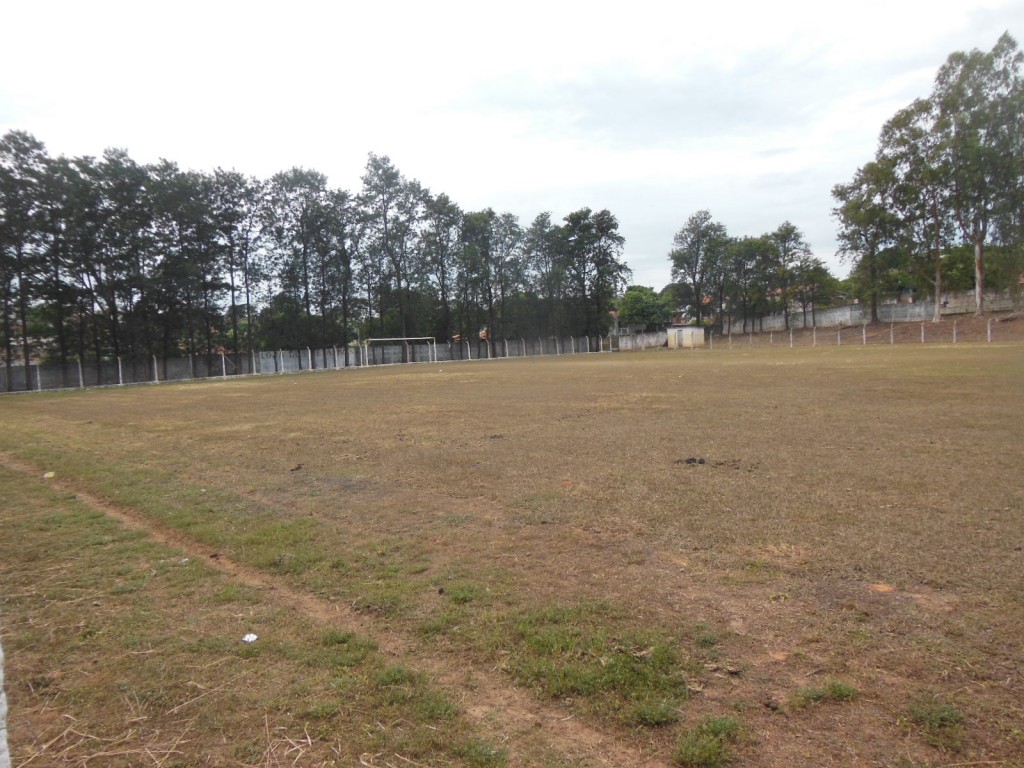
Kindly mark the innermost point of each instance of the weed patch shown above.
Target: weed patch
(832, 691)
(707, 745)
(569, 652)
(141, 647)
(941, 722)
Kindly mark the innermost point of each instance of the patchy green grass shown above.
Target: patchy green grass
(707, 745)
(572, 653)
(831, 691)
(141, 648)
(940, 721)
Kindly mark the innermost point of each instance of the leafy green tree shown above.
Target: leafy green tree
(439, 241)
(82, 216)
(118, 278)
(642, 305)
(792, 249)
(590, 249)
(337, 245)
(23, 162)
(977, 97)
(868, 227)
(576, 241)
(508, 270)
(545, 272)
(609, 272)
(379, 202)
(57, 295)
(407, 267)
(749, 267)
(813, 285)
(292, 217)
(237, 210)
(474, 278)
(189, 279)
(920, 194)
(697, 258)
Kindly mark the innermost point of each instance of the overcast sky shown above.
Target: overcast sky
(751, 110)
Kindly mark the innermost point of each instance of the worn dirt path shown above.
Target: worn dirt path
(513, 715)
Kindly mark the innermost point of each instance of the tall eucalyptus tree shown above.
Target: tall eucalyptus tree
(977, 96)
(23, 165)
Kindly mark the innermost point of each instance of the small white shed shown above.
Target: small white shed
(687, 337)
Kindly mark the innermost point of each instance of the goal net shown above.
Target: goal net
(399, 349)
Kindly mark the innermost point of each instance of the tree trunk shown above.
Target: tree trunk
(874, 288)
(26, 347)
(8, 336)
(979, 278)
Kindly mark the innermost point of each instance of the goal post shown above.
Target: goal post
(412, 341)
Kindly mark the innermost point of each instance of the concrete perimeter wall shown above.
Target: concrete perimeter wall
(962, 303)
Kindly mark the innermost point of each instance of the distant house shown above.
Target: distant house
(629, 329)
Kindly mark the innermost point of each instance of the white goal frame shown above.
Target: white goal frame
(431, 346)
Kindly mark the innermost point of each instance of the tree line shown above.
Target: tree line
(746, 278)
(105, 257)
(721, 279)
(940, 208)
(941, 205)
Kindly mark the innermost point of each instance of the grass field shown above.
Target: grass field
(764, 557)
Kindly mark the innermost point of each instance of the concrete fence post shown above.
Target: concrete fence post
(814, 337)
(156, 371)
(922, 333)
(791, 337)
(954, 331)
(892, 339)
(223, 366)
(839, 337)
(81, 376)
(990, 329)
(864, 335)
(120, 372)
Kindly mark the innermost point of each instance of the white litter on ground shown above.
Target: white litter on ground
(249, 638)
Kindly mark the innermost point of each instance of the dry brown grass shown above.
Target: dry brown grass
(857, 517)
